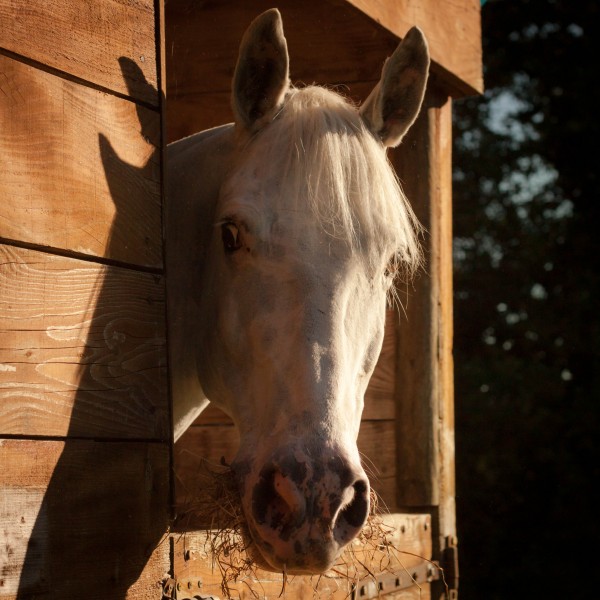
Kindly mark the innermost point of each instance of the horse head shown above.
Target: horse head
(307, 227)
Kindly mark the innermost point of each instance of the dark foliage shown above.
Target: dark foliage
(527, 295)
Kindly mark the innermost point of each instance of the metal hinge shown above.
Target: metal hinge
(388, 583)
(185, 589)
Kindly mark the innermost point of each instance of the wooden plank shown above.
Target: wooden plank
(88, 40)
(83, 519)
(410, 536)
(425, 401)
(82, 349)
(453, 31)
(80, 168)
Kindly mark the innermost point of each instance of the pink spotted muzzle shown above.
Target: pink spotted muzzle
(302, 508)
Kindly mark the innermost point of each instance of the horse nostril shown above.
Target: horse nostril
(277, 501)
(353, 516)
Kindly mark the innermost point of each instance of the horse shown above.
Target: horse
(284, 232)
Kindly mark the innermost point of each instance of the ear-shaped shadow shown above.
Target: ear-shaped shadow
(105, 509)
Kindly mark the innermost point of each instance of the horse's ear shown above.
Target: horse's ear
(394, 103)
(261, 77)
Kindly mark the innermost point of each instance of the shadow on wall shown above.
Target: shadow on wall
(104, 512)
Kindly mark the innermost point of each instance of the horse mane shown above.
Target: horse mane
(339, 168)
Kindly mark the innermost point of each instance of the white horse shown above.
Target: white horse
(284, 231)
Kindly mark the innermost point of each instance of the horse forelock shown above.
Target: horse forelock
(319, 152)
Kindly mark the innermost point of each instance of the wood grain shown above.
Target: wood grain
(410, 535)
(82, 349)
(80, 168)
(82, 515)
(86, 39)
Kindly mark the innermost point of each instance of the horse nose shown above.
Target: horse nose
(305, 521)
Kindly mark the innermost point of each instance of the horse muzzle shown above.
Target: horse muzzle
(302, 507)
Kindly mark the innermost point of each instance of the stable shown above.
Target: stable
(91, 484)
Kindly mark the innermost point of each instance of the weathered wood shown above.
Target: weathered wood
(83, 348)
(80, 168)
(410, 536)
(83, 519)
(87, 39)
(425, 423)
(453, 31)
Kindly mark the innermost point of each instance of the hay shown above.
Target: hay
(217, 507)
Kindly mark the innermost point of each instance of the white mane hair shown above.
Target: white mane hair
(339, 167)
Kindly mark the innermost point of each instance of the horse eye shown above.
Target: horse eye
(230, 234)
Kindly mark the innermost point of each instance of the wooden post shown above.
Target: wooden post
(424, 388)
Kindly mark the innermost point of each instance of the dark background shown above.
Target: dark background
(527, 279)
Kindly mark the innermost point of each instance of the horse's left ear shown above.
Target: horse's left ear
(261, 77)
(394, 103)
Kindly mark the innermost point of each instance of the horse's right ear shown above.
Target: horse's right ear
(394, 103)
(261, 77)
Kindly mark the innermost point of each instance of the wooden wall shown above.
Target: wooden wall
(84, 415)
